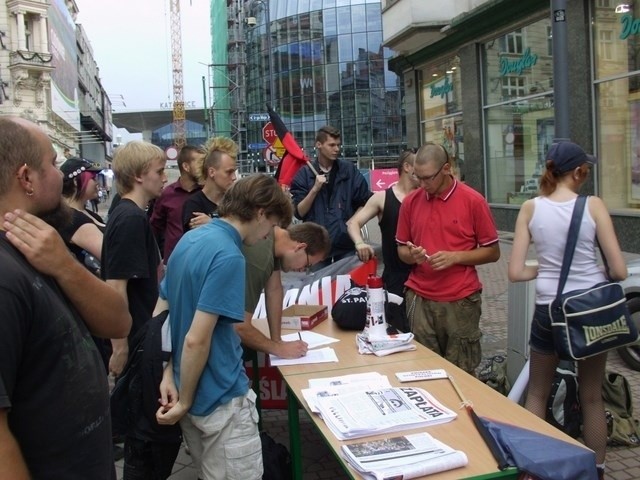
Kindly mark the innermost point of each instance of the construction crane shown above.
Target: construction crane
(179, 133)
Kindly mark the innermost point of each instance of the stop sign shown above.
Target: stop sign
(269, 133)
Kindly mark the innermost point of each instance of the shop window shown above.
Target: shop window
(518, 113)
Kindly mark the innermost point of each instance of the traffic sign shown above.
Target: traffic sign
(269, 133)
(271, 156)
(383, 178)
(257, 146)
(258, 117)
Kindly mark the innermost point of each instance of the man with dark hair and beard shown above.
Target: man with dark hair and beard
(54, 397)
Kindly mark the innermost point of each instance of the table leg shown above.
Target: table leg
(294, 435)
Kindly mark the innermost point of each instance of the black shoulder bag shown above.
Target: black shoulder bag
(590, 321)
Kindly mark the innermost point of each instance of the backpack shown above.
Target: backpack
(493, 372)
(134, 399)
(622, 428)
(276, 459)
(563, 406)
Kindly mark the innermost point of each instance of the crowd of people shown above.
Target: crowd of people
(76, 291)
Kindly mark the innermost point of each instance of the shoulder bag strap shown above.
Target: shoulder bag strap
(572, 240)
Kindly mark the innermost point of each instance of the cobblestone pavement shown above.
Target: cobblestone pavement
(318, 461)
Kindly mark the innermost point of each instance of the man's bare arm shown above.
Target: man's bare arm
(195, 352)
(371, 209)
(256, 340)
(12, 465)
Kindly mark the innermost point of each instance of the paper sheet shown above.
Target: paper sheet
(321, 355)
(313, 339)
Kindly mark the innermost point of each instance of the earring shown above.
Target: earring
(29, 194)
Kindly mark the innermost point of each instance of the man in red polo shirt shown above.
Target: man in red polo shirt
(445, 229)
(166, 219)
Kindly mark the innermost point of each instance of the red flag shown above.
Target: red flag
(294, 158)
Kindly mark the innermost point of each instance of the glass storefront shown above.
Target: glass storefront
(441, 109)
(329, 67)
(518, 111)
(616, 49)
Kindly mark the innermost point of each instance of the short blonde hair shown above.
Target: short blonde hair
(132, 160)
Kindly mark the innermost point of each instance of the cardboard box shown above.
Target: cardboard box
(303, 317)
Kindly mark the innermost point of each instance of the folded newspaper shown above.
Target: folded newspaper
(382, 345)
(408, 456)
(373, 411)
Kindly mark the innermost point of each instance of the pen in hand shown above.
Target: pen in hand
(411, 245)
(300, 336)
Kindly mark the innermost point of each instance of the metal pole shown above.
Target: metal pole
(560, 68)
(206, 112)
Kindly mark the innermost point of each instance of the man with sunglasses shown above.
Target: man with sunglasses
(445, 229)
(295, 249)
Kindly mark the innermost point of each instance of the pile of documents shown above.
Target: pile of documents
(381, 345)
(408, 456)
(363, 405)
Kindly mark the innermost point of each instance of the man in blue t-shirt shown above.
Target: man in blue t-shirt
(204, 286)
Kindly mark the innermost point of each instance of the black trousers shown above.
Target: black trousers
(145, 460)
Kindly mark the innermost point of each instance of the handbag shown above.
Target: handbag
(589, 321)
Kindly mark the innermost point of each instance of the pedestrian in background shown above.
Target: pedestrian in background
(445, 229)
(332, 197)
(386, 207)
(219, 173)
(166, 219)
(131, 263)
(545, 221)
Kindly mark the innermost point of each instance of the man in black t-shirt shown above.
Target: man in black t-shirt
(130, 263)
(54, 404)
(219, 172)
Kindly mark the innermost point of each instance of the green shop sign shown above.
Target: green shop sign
(441, 89)
(526, 61)
(630, 26)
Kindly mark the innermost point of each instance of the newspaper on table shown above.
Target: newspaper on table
(355, 382)
(408, 456)
(373, 411)
(381, 345)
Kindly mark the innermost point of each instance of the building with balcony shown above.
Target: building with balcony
(48, 75)
(479, 79)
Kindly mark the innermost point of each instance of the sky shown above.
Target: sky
(131, 42)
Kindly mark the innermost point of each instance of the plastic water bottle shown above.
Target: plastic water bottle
(376, 321)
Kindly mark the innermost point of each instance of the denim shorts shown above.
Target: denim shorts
(541, 339)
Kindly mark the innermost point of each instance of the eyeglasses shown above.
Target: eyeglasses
(430, 177)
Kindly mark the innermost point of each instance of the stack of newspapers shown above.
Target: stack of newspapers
(362, 406)
(405, 457)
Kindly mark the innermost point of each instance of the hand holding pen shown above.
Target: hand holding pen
(419, 254)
